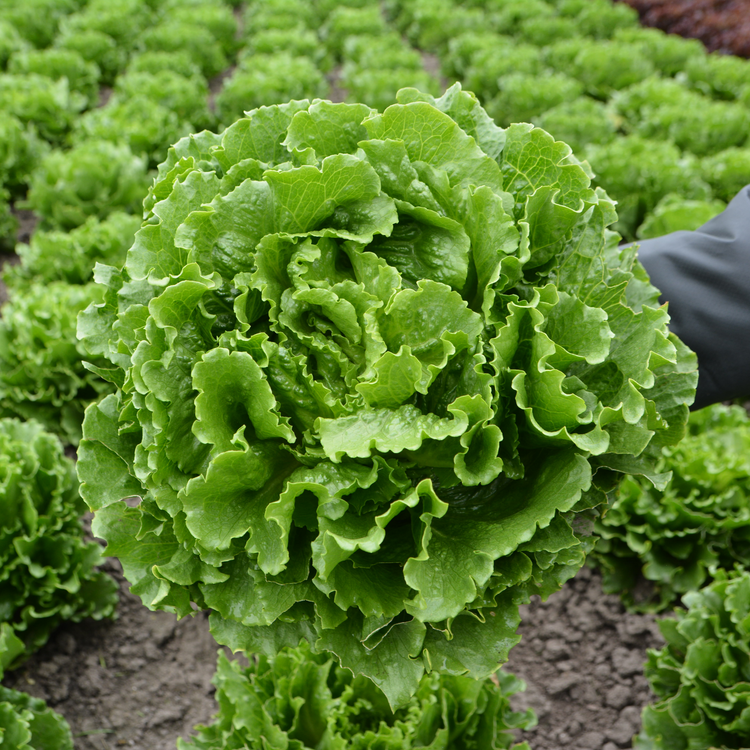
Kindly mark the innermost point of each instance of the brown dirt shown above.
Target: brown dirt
(582, 658)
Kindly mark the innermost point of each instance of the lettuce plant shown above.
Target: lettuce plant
(605, 67)
(378, 87)
(27, 723)
(727, 172)
(266, 79)
(123, 20)
(489, 67)
(634, 102)
(92, 179)
(8, 222)
(669, 53)
(601, 19)
(36, 99)
(384, 52)
(175, 35)
(97, 47)
(678, 536)
(640, 172)
(47, 572)
(56, 63)
(70, 256)
(702, 676)
(303, 701)
(186, 97)
(433, 23)
(545, 30)
(462, 48)
(155, 62)
(369, 367)
(279, 15)
(579, 123)
(138, 123)
(20, 151)
(673, 213)
(698, 124)
(344, 23)
(718, 75)
(42, 376)
(299, 42)
(37, 21)
(216, 18)
(524, 96)
(11, 42)
(507, 17)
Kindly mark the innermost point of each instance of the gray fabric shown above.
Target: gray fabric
(705, 277)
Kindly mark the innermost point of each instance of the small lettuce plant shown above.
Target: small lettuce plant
(702, 676)
(27, 723)
(369, 368)
(303, 701)
(679, 535)
(47, 571)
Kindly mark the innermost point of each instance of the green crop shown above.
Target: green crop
(701, 676)
(679, 535)
(42, 376)
(27, 723)
(368, 367)
(47, 571)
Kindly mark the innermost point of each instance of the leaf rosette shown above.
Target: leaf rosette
(368, 365)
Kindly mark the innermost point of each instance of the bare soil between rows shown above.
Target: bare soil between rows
(144, 680)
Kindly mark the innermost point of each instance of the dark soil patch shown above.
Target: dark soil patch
(582, 658)
(722, 25)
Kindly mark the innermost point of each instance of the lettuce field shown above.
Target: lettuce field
(325, 346)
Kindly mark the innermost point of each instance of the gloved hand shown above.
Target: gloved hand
(705, 277)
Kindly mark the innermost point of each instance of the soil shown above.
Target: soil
(144, 680)
(582, 657)
(722, 25)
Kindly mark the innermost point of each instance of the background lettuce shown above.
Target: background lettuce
(47, 571)
(369, 368)
(701, 677)
(679, 535)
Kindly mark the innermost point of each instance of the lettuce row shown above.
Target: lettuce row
(702, 676)
(300, 701)
(47, 571)
(678, 536)
(368, 368)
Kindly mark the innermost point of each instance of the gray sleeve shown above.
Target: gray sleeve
(705, 277)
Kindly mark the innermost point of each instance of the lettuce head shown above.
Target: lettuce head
(369, 368)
